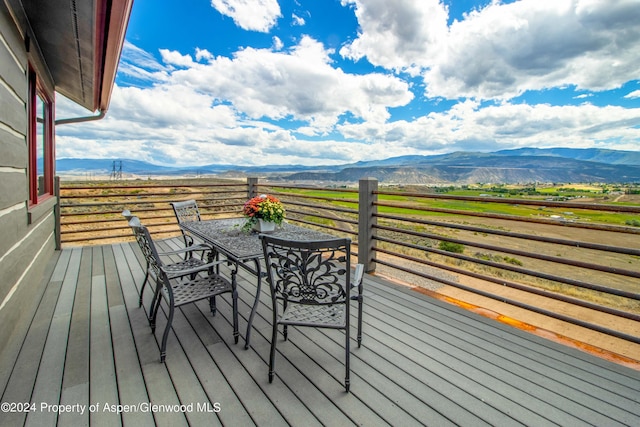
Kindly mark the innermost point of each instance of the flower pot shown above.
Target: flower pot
(263, 226)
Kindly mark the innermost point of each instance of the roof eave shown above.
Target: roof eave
(113, 27)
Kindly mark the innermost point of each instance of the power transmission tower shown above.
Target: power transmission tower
(116, 173)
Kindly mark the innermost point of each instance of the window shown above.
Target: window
(41, 155)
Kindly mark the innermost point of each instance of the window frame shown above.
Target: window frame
(40, 97)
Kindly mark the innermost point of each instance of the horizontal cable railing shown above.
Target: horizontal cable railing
(92, 213)
(308, 206)
(581, 263)
(517, 251)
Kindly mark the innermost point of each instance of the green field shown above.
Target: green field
(515, 208)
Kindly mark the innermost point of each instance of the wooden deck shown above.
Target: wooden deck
(422, 362)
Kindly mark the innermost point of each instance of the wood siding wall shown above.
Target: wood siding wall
(25, 248)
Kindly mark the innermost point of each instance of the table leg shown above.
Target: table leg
(255, 304)
(234, 287)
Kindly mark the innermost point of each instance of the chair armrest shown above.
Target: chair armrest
(192, 270)
(193, 248)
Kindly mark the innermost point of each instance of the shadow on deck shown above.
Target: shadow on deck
(423, 361)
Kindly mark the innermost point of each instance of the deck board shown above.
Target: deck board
(102, 370)
(159, 386)
(75, 379)
(23, 375)
(131, 385)
(48, 385)
(423, 361)
(102, 374)
(551, 387)
(476, 371)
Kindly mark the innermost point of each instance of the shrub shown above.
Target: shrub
(514, 261)
(456, 248)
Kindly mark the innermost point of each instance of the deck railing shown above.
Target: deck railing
(92, 213)
(508, 250)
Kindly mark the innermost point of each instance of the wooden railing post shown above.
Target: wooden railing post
(366, 221)
(252, 184)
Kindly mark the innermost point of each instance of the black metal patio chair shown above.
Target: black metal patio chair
(179, 268)
(187, 211)
(310, 283)
(200, 282)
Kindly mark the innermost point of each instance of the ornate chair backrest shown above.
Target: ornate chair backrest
(186, 211)
(308, 272)
(147, 246)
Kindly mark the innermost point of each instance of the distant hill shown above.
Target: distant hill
(137, 167)
(485, 169)
(105, 166)
(524, 165)
(614, 157)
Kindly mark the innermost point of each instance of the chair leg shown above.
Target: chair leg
(155, 306)
(359, 337)
(146, 279)
(234, 298)
(285, 329)
(347, 380)
(212, 305)
(165, 336)
(272, 354)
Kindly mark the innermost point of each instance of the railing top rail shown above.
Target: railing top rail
(165, 185)
(309, 188)
(190, 193)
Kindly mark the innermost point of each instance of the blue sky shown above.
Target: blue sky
(320, 82)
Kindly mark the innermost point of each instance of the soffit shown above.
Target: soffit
(81, 41)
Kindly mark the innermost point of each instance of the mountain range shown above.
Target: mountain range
(524, 165)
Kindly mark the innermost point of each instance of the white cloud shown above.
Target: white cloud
(169, 105)
(469, 126)
(277, 43)
(141, 58)
(174, 58)
(399, 34)
(176, 125)
(200, 110)
(503, 50)
(140, 65)
(297, 20)
(633, 95)
(203, 54)
(252, 15)
(299, 83)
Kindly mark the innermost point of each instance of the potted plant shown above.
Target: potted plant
(263, 213)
